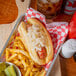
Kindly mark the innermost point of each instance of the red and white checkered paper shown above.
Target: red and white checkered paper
(57, 30)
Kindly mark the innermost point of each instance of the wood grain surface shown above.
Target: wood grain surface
(8, 11)
(5, 29)
(33, 4)
(68, 66)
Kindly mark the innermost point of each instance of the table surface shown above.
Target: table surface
(68, 66)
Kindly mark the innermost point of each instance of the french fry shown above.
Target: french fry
(28, 72)
(31, 73)
(24, 64)
(37, 73)
(17, 38)
(35, 69)
(23, 72)
(12, 57)
(19, 51)
(18, 43)
(23, 61)
(42, 73)
(17, 62)
(37, 66)
(21, 58)
(7, 55)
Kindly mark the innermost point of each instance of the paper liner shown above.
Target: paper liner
(58, 32)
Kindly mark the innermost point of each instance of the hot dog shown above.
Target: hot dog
(36, 40)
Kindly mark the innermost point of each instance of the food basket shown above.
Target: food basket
(22, 18)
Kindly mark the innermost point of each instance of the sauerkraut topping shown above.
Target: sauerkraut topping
(37, 37)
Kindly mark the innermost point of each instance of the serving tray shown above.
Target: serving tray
(2, 54)
(13, 26)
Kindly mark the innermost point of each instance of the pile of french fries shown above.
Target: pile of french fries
(21, 58)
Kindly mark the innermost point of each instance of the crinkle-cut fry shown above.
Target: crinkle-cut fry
(28, 72)
(12, 57)
(19, 51)
(7, 55)
(31, 73)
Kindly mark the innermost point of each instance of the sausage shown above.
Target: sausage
(42, 54)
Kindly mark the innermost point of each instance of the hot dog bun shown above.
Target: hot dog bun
(46, 39)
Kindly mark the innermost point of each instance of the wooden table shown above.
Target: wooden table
(67, 65)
